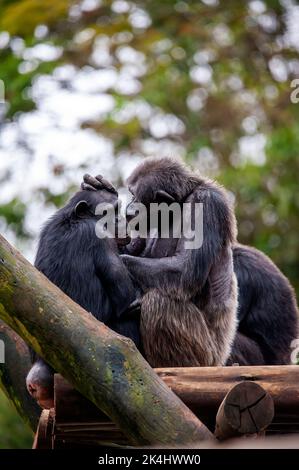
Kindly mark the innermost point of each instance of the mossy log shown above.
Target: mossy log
(105, 367)
(13, 373)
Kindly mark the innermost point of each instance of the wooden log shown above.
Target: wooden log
(203, 390)
(209, 385)
(104, 366)
(45, 430)
(79, 423)
(246, 409)
(13, 373)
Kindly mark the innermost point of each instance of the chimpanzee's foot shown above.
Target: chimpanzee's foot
(40, 384)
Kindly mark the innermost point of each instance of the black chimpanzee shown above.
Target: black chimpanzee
(88, 269)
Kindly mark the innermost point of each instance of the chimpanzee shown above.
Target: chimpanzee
(267, 310)
(88, 269)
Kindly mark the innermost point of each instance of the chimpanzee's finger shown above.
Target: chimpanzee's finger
(106, 184)
(88, 179)
(87, 187)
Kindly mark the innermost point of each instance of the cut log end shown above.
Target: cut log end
(246, 409)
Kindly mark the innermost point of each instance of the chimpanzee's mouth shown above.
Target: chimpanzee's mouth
(123, 241)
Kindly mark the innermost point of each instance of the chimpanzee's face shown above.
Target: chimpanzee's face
(146, 191)
(97, 204)
(141, 191)
(87, 202)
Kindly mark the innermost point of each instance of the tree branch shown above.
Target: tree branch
(102, 365)
(13, 375)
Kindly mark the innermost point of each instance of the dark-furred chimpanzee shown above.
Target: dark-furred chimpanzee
(267, 313)
(189, 302)
(88, 269)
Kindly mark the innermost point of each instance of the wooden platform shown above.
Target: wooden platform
(76, 422)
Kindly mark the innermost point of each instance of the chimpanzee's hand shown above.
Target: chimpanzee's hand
(91, 183)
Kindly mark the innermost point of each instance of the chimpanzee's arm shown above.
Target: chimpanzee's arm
(155, 272)
(190, 267)
(115, 278)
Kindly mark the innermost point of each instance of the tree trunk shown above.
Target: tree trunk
(102, 365)
(13, 373)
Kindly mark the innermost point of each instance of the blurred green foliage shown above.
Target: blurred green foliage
(21, 17)
(14, 213)
(14, 434)
(223, 69)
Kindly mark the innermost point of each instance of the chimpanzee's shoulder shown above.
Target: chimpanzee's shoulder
(209, 191)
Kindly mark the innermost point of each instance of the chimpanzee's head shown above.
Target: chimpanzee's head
(93, 205)
(161, 180)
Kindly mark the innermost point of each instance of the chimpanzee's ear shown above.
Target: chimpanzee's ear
(82, 209)
(163, 196)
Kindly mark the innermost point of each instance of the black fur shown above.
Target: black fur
(267, 311)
